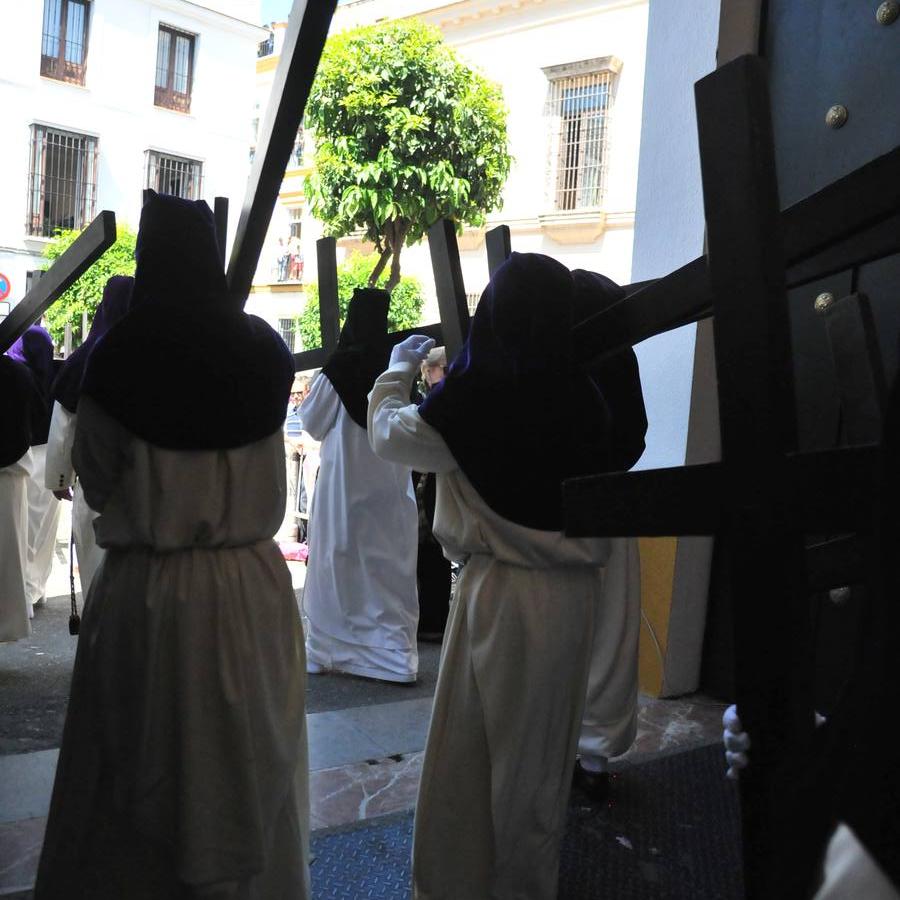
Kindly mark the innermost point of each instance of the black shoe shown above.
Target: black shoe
(594, 784)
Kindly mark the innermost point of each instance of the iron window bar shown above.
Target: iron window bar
(62, 181)
(174, 175)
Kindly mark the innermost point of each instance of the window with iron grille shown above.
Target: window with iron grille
(64, 39)
(578, 104)
(174, 175)
(286, 330)
(472, 302)
(62, 181)
(174, 69)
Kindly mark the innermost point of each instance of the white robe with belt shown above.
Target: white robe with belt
(43, 522)
(183, 768)
(360, 595)
(15, 609)
(530, 607)
(59, 474)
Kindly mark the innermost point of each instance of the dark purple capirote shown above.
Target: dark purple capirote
(187, 369)
(113, 306)
(515, 409)
(21, 405)
(34, 349)
(362, 352)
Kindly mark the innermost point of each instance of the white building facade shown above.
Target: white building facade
(102, 98)
(572, 74)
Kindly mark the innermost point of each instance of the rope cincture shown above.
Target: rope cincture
(74, 618)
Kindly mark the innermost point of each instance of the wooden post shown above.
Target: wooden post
(220, 211)
(303, 42)
(90, 245)
(329, 303)
(499, 247)
(448, 281)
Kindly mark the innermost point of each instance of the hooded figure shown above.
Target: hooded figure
(360, 594)
(183, 768)
(59, 475)
(20, 404)
(514, 417)
(34, 349)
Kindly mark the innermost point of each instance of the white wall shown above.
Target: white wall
(669, 224)
(116, 105)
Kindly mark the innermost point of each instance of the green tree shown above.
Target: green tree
(86, 293)
(406, 299)
(405, 134)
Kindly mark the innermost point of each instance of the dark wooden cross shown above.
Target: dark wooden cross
(763, 495)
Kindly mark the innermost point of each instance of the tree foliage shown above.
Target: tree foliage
(405, 310)
(405, 134)
(86, 293)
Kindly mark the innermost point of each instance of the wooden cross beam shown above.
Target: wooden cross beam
(220, 212)
(303, 43)
(88, 247)
(448, 282)
(762, 495)
(329, 307)
(499, 247)
(853, 221)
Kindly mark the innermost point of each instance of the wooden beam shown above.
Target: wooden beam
(826, 491)
(316, 358)
(756, 411)
(220, 212)
(89, 246)
(303, 42)
(448, 282)
(653, 502)
(499, 247)
(828, 232)
(329, 302)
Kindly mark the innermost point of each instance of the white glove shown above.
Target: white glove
(737, 743)
(413, 349)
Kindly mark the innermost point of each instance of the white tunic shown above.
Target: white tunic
(43, 522)
(514, 671)
(60, 474)
(184, 753)
(14, 607)
(360, 595)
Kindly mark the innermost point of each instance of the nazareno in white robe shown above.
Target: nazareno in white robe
(15, 609)
(360, 596)
(183, 769)
(43, 522)
(530, 612)
(59, 474)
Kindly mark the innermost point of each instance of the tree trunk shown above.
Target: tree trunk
(379, 266)
(400, 230)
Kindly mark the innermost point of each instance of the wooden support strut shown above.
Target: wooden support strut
(303, 42)
(88, 247)
(499, 247)
(329, 306)
(220, 212)
(448, 282)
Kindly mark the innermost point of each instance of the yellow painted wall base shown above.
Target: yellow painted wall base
(657, 581)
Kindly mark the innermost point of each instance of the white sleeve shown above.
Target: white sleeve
(319, 410)
(101, 453)
(59, 473)
(397, 432)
